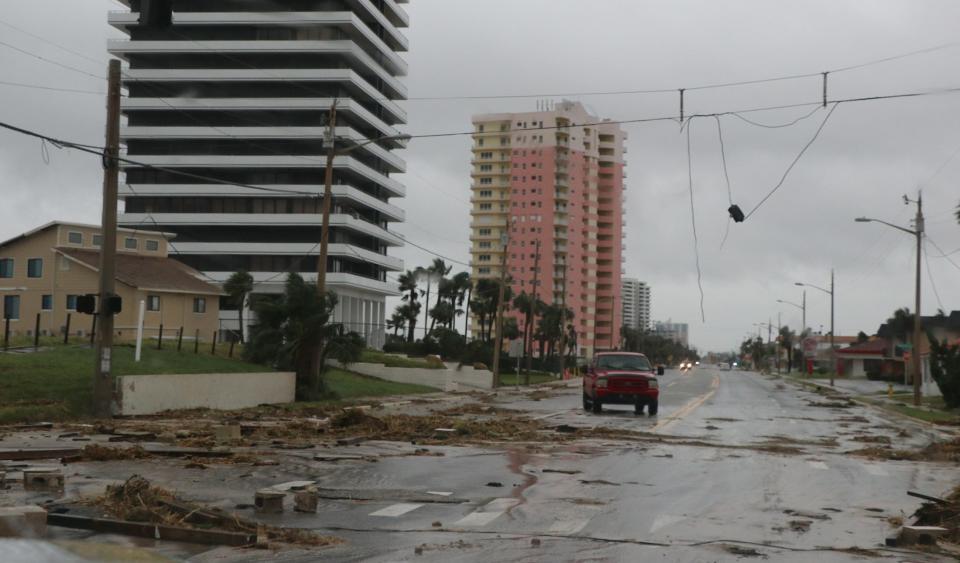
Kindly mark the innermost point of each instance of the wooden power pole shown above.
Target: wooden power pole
(327, 199)
(103, 372)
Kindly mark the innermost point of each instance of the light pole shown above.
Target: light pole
(833, 349)
(802, 307)
(918, 233)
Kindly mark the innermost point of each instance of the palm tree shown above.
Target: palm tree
(438, 270)
(398, 320)
(408, 286)
(786, 341)
(238, 286)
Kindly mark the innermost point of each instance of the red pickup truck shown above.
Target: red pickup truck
(621, 378)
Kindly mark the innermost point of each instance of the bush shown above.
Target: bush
(945, 368)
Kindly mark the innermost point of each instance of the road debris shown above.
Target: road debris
(946, 451)
(742, 551)
(943, 513)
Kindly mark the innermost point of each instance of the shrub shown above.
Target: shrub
(945, 368)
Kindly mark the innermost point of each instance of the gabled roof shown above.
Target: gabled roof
(52, 224)
(147, 272)
(877, 346)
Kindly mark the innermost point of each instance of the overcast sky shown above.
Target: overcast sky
(868, 155)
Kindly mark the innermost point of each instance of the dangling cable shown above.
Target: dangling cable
(693, 219)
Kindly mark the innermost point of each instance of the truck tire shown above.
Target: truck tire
(586, 402)
(652, 407)
(597, 406)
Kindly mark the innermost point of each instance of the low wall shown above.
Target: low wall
(151, 394)
(449, 379)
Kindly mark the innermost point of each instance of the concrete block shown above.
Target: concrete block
(268, 501)
(152, 394)
(42, 480)
(921, 534)
(226, 433)
(305, 501)
(23, 522)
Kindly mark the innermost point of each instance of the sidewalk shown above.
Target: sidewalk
(876, 394)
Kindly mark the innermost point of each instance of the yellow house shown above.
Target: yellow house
(44, 271)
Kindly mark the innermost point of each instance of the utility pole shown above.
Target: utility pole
(498, 333)
(103, 373)
(531, 314)
(613, 323)
(804, 312)
(917, 364)
(779, 340)
(563, 321)
(833, 332)
(330, 139)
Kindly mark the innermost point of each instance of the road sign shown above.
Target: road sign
(809, 347)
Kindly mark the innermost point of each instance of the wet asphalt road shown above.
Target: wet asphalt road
(608, 501)
(719, 486)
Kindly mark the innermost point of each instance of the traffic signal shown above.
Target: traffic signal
(736, 213)
(114, 304)
(87, 304)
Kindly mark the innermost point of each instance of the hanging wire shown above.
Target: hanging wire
(726, 175)
(693, 220)
(795, 160)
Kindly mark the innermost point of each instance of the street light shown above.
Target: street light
(833, 350)
(918, 233)
(802, 307)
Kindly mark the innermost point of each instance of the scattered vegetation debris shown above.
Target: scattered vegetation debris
(565, 428)
(539, 395)
(535, 542)
(355, 417)
(800, 526)
(807, 515)
(598, 482)
(945, 515)
(563, 471)
(895, 521)
(711, 427)
(872, 439)
(96, 452)
(722, 419)
(459, 544)
(137, 500)
(437, 524)
(742, 551)
(860, 419)
(947, 451)
(470, 408)
(832, 404)
(494, 484)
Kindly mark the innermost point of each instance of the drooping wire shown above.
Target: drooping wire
(795, 160)
(726, 175)
(933, 283)
(779, 125)
(50, 61)
(693, 220)
(944, 254)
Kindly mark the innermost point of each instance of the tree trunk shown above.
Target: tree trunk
(426, 308)
(243, 298)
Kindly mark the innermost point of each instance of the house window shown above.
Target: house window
(153, 302)
(486, 193)
(199, 304)
(486, 244)
(484, 258)
(71, 302)
(6, 267)
(486, 206)
(74, 237)
(35, 268)
(153, 245)
(46, 302)
(485, 232)
(11, 307)
(97, 240)
(486, 181)
(130, 243)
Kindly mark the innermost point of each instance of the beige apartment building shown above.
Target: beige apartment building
(44, 271)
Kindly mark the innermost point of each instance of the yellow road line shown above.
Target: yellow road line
(688, 408)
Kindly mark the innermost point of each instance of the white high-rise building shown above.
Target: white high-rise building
(240, 90)
(636, 304)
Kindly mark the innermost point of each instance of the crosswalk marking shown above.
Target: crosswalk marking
(665, 520)
(569, 527)
(818, 465)
(487, 513)
(396, 510)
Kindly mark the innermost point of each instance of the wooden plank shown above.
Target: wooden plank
(152, 531)
(36, 453)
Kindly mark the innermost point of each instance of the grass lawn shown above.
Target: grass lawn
(55, 384)
(938, 413)
(391, 361)
(348, 386)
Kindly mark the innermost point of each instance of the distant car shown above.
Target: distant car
(685, 366)
(621, 378)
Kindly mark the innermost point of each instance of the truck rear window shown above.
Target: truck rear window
(625, 362)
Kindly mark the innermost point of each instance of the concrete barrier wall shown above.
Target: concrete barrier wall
(151, 394)
(445, 379)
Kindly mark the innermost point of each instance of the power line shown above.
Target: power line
(944, 254)
(726, 175)
(780, 125)
(693, 219)
(933, 283)
(50, 61)
(795, 161)
(57, 45)
(51, 88)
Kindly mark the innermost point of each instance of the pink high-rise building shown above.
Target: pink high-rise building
(556, 177)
